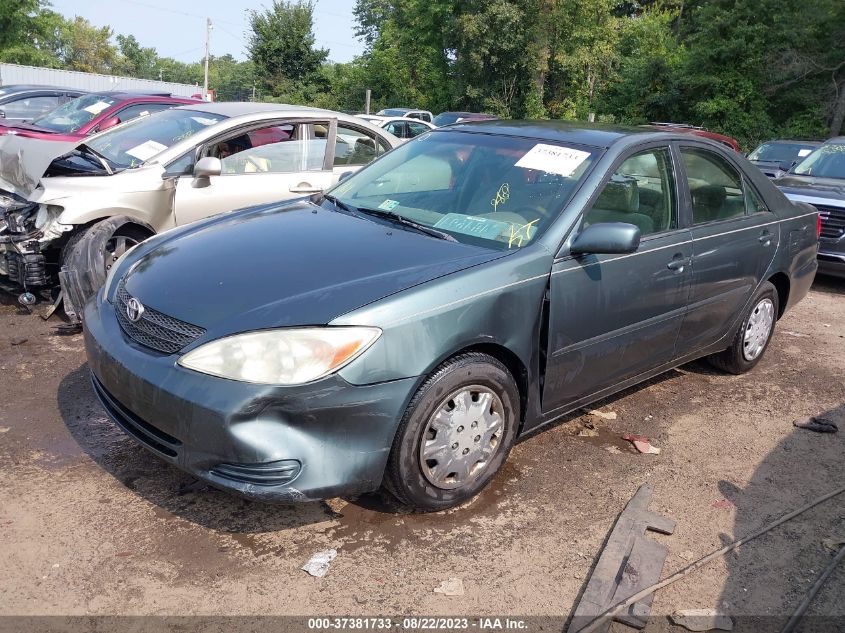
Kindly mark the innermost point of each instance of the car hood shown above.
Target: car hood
(24, 160)
(806, 188)
(285, 265)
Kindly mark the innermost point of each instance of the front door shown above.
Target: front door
(734, 241)
(613, 317)
(270, 163)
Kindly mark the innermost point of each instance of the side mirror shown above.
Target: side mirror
(344, 175)
(110, 122)
(208, 166)
(607, 238)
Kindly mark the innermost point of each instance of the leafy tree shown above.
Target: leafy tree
(281, 45)
(135, 60)
(86, 47)
(30, 33)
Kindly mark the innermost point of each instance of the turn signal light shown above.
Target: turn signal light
(818, 225)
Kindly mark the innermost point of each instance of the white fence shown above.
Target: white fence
(15, 74)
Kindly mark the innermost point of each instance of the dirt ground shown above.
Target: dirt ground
(92, 524)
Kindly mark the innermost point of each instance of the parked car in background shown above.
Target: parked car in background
(409, 325)
(819, 179)
(408, 113)
(24, 102)
(448, 118)
(776, 158)
(70, 223)
(684, 128)
(400, 127)
(91, 113)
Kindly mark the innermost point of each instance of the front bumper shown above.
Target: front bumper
(831, 263)
(315, 441)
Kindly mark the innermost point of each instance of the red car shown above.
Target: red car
(92, 113)
(684, 128)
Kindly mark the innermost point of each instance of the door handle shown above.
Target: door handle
(678, 263)
(766, 238)
(304, 189)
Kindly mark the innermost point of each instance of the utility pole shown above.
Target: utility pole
(367, 102)
(207, 42)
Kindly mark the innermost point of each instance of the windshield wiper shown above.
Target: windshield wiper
(338, 204)
(402, 220)
(106, 163)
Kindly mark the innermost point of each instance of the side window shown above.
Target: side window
(353, 147)
(271, 149)
(397, 128)
(29, 107)
(715, 186)
(753, 202)
(182, 166)
(141, 109)
(640, 192)
(416, 129)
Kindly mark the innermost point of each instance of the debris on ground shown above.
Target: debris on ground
(613, 449)
(605, 415)
(451, 587)
(588, 432)
(724, 504)
(5, 429)
(18, 341)
(833, 544)
(702, 620)
(319, 563)
(818, 424)
(642, 444)
(795, 334)
(628, 563)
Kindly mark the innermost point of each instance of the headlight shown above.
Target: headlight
(281, 357)
(111, 274)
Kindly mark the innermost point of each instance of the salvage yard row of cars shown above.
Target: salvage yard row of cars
(292, 303)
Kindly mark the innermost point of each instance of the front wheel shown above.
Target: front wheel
(456, 432)
(754, 333)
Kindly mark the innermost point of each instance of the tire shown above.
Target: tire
(451, 399)
(746, 351)
(87, 255)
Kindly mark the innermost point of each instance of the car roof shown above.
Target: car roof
(137, 94)
(10, 88)
(238, 108)
(596, 135)
(792, 141)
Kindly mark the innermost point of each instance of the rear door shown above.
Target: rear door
(613, 317)
(734, 237)
(261, 163)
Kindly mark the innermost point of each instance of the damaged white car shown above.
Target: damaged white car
(68, 211)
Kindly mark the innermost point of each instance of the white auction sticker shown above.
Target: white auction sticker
(96, 108)
(804, 152)
(146, 150)
(553, 159)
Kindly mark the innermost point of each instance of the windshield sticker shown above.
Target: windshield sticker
(388, 205)
(518, 234)
(204, 120)
(804, 152)
(146, 150)
(96, 108)
(472, 225)
(502, 196)
(553, 159)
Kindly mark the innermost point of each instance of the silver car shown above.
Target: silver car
(68, 224)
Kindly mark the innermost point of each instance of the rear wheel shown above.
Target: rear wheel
(753, 336)
(456, 433)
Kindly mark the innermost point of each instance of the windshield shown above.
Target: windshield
(495, 191)
(137, 141)
(828, 161)
(781, 152)
(74, 114)
(392, 112)
(447, 118)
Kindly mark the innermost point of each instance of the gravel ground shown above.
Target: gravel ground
(92, 524)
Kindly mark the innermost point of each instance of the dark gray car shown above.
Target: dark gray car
(775, 158)
(820, 180)
(469, 287)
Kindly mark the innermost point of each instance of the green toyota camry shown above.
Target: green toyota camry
(405, 328)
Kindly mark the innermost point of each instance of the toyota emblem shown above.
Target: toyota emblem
(134, 309)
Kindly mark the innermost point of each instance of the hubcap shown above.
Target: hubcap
(461, 437)
(115, 247)
(757, 329)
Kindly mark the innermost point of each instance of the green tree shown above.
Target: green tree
(281, 46)
(135, 60)
(87, 48)
(30, 33)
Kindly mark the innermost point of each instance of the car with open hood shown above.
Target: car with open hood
(819, 179)
(66, 218)
(89, 114)
(467, 288)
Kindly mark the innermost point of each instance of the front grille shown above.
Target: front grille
(155, 330)
(267, 474)
(833, 221)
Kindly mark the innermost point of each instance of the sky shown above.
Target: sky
(176, 28)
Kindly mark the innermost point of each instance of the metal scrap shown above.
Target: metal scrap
(318, 564)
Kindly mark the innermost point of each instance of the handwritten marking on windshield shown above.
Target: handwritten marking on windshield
(521, 233)
(502, 196)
